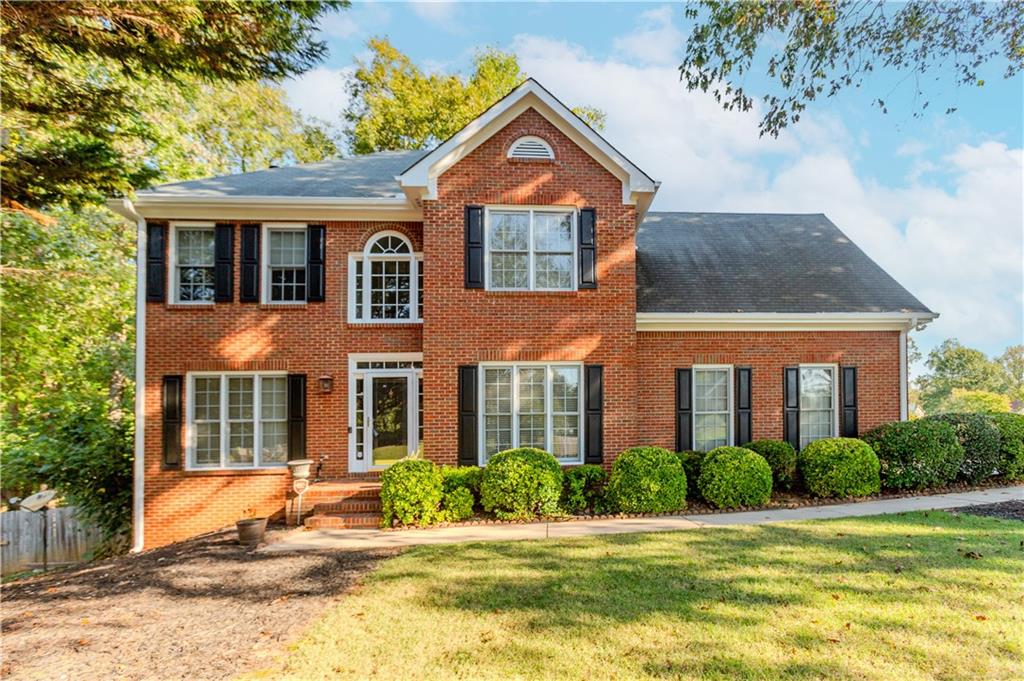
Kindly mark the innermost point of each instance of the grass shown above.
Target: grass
(911, 596)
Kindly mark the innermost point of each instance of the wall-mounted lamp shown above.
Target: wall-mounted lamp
(326, 383)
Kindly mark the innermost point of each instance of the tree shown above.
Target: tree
(975, 401)
(812, 49)
(1012, 363)
(394, 105)
(952, 365)
(76, 73)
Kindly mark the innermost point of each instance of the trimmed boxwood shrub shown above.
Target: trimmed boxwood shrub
(979, 437)
(583, 487)
(781, 458)
(410, 493)
(840, 467)
(521, 483)
(691, 461)
(457, 505)
(916, 454)
(735, 476)
(1011, 444)
(646, 480)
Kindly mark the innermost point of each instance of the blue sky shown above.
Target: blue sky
(937, 200)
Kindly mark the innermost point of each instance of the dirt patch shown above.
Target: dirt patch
(1008, 510)
(202, 609)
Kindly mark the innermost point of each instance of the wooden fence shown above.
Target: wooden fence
(21, 539)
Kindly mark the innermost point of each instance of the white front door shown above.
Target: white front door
(384, 415)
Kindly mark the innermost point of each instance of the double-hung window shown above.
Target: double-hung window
(818, 418)
(531, 405)
(285, 264)
(386, 281)
(531, 249)
(237, 420)
(193, 273)
(712, 407)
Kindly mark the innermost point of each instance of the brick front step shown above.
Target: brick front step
(338, 497)
(350, 505)
(343, 521)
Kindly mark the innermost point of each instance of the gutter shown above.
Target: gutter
(125, 208)
(781, 321)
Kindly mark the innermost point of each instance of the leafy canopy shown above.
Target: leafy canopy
(395, 105)
(975, 402)
(952, 365)
(816, 48)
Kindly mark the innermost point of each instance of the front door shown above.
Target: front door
(388, 419)
(385, 412)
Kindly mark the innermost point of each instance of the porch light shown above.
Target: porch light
(326, 383)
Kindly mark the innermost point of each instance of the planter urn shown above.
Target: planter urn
(250, 530)
(300, 468)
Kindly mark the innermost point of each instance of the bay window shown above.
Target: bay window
(531, 249)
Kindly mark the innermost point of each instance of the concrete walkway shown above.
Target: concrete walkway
(314, 540)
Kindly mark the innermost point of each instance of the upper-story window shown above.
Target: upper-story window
(530, 147)
(285, 264)
(386, 281)
(192, 249)
(531, 249)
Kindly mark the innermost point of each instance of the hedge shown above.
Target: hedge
(521, 483)
(735, 476)
(691, 461)
(781, 457)
(916, 454)
(410, 493)
(840, 467)
(979, 437)
(1011, 444)
(583, 486)
(646, 480)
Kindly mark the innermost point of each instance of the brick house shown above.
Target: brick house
(509, 287)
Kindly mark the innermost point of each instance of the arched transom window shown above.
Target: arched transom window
(385, 281)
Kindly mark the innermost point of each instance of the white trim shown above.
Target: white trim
(781, 321)
(835, 393)
(265, 261)
(531, 138)
(172, 258)
(420, 179)
(365, 257)
(257, 208)
(530, 210)
(904, 407)
(731, 415)
(412, 397)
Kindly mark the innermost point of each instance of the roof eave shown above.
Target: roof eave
(276, 207)
(783, 321)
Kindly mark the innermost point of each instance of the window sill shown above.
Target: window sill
(384, 324)
(234, 472)
(190, 306)
(531, 294)
(283, 306)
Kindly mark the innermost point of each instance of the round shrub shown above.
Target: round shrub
(735, 476)
(781, 458)
(410, 493)
(691, 461)
(463, 476)
(1011, 444)
(457, 505)
(646, 480)
(916, 454)
(840, 467)
(521, 483)
(979, 437)
(583, 487)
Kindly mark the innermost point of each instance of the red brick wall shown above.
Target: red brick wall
(875, 353)
(313, 339)
(465, 326)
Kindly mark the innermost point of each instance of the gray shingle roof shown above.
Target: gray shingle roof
(366, 176)
(732, 262)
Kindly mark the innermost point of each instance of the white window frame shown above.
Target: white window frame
(172, 271)
(190, 429)
(730, 415)
(531, 138)
(366, 258)
(835, 395)
(548, 406)
(265, 260)
(531, 255)
(413, 407)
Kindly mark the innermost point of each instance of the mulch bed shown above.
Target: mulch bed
(206, 608)
(1007, 510)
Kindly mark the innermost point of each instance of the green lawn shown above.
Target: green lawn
(912, 596)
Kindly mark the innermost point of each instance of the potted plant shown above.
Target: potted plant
(251, 528)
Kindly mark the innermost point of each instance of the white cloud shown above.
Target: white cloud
(339, 25)
(656, 40)
(441, 14)
(320, 92)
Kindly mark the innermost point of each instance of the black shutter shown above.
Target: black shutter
(593, 433)
(791, 406)
(223, 263)
(249, 275)
(156, 270)
(468, 441)
(744, 411)
(850, 402)
(684, 409)
(172, 423)
(316, 236)
(474, 246)
(588, 248)
(296, 416)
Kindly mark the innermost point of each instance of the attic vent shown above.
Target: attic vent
(531, 148)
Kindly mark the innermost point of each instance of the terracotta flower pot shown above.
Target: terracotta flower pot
(250, 530)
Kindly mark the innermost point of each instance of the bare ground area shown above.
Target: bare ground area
(202, 609)
(1007, 510)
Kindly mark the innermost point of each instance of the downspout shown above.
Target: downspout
(904, 407)
(125, 208)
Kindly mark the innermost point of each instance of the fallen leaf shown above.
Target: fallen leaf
(980, 618)
(847, 625)
(898, 569)
(972, 554)
(833, 640)
(835, 597)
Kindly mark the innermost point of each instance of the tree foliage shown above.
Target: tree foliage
(78, 77)
(952, 365)
(1012, 364)
(975, 402)
(395, 105)
(813, 49)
